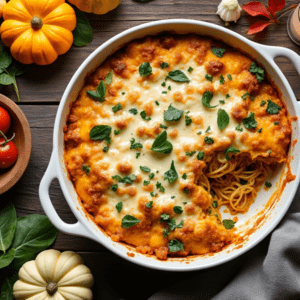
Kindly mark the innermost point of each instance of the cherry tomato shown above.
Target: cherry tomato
(8, 154)
(4, 120)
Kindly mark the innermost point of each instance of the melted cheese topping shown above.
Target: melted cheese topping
(202, 231)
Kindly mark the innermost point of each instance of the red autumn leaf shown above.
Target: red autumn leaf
(258, 26)
(256, 8)
(275, 5)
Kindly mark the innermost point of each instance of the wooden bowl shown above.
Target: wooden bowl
(22, 140)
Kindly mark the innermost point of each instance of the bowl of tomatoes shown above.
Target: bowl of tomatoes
(15, 143)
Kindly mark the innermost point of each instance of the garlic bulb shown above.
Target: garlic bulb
(229, 10)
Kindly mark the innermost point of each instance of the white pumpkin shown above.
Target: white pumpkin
(56, 276)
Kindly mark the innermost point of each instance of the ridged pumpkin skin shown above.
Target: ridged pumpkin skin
(31, 41)
(98, 7)
(54, 276)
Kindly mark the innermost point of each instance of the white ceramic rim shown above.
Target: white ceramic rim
(269, 53)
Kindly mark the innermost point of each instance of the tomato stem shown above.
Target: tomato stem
(6, 139)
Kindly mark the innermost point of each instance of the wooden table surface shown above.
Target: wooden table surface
(41, 90)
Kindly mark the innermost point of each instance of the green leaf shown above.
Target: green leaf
(209, 77)
(119, 206)
(222, 79)
(108, 77)
(134, 145)
(133, 111)
(231, 150)
(244, 97)
(238, 127)
(117, 107)
(149, 204)
(101, 132)
(164, 217)
(215, 204)
(126, 179)
(268, 184)
(8, 223)
(145, 169)
(5, 59)
(129, 221)
(228, 224)
(200, 155)
(272, 108)
(171, 175)
(164, 65)
(7, 257)
(145, 69)
(190, 69)
(5, 79)
(34, 233)
(144, 116)
(178, 210)
(87, 169)
(7, 286)
(208, 140)
(258, 72)
(83, 33)
(206, 98)
(100, 92)
(178, 76)
(250, 122)
(172, 114)
(218, 51)
(188, 120)
(175, 245)
(17, 69)
(161, 145)
(223, 119)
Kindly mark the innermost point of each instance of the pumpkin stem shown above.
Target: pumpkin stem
(36, 22)
(51, 288)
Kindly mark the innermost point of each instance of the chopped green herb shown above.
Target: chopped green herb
(134, 145)
(175, 245)
(116, 132)
(223, 119)
(169, 88)
(126, 179)
(151, 175)
(108, 77)
(149, 204)
(228, 224)
(152, 194)
(160, 187)
(114, 187)
(186, 190)
(172, 114)
(276, 123)
(164, 92)
(105, 149)
(133, 111)
(129, 221)
(222, 79)
(184, 176)
(123, 93)
(243, 182)
(117, 107)
(101, 132)
(218, 51)
(178, 76)
(222, 101)
(100, 92)
(209, 77)
(239, 128)
(164, 65)
(163, 126)
(215, 204)
(199, 132)
(259, 130)
(119, 206)
(146, 182)
(190, 69)
(244, 97)
(173, 197)
(262, 103)
(161, 144)
(272, 108)
(258, 72)
(163, 84)
(184, 203)
(87, 169)
(268, 184)
(229, 77)
(190, 153)
(145, 169)
(137, 155)
(231, 150)
(178, 210)
(250, 122)
(209, 211)
(144, 116)
(164, 217)
(206, 98)
(227, 96)
(208, 140)
(166, 232)
(171, 175)
(157, 103)
(207, 130)
(200, 155)
(145, 69)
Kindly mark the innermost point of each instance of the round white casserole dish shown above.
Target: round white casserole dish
(85, 227)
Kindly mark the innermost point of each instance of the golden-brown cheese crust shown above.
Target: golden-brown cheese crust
(202, 231)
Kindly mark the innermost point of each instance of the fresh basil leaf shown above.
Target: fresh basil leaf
(149, 204)
(200, 155)
(175, 245)
(119, 206)
(161, 144)
(164, 65)
(133, 111)
(34, 233)
(272, 108)
(5, 79)
(228, 224)
(108, 77)
(188, 120)
(145, 169)
(250, 122)
(7, 257)
(178, 210)
(223, 119)
(151, 175)
(231, 150)
(117, 107)
(206, 98)
(258, 72)
(8, 223)
(134, 145)
(178, 76)
(83, 33)
(5, 59)
(129, 221)
(171, 175)
(87, 169)
(145, 69)
(100, 92)
(101, 132)
(172, 114)
(208, 140)
(218, 51)
(209, 77)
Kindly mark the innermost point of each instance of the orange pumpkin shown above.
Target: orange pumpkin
(98, 7)
(37, 31)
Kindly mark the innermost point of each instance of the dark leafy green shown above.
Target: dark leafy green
(164, 65)
(257, 71)
(171, 175)
(231, 150)
(178, 76)
(209, 77)
(161, 144)
(218, 51)
(250, 122)
(215, 204)
(144, 116)
(238, 127)
(175, 245)
(133, 111)
(200, 155)
(228, 224)
(223, 119)
(129, 221)
(244, 97)
(188, 120)
(268, 184)
(99, 94)
(108, 77)
(7, 257)
(119, 206)
(87, 169)
(190, 69)
(222, 79)
(178, 210)
(101, 133)
(149, 204)
(7, 286)
(126, 179)
(145, 169)
(134, 145)
(208, 140)
(172, 114)
(83, 33)
(145, 69)
(117, 107)
(206, 98)
(273, 108)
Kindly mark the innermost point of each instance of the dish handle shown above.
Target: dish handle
(274, 52)
(73, 229)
